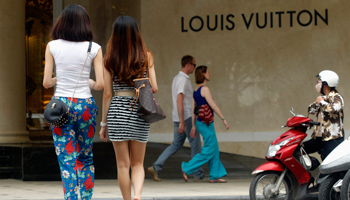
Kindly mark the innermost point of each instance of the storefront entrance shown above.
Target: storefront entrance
(39, 15)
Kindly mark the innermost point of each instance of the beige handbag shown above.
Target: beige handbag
(305, 159)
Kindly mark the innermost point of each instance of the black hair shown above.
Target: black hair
(73, 25)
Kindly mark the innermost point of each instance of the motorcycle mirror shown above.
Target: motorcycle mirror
(292, 111)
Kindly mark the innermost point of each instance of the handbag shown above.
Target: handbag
(305, 159)
(204, 113)
(56, 111)
(148, 108)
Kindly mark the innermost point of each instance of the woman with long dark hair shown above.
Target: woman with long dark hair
(126, 59)
(71, 36)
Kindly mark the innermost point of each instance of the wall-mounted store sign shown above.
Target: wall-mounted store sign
(259, 20)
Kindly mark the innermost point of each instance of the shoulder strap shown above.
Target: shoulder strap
(89, 48)
(88, 53)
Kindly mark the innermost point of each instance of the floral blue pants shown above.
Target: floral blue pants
(73, 142)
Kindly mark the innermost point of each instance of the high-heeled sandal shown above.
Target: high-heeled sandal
(220, 180)
(184, 175)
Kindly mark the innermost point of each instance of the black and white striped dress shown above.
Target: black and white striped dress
(123, 123)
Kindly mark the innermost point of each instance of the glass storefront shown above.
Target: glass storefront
(38, 25)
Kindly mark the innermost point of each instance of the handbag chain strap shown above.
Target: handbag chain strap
(88, 53)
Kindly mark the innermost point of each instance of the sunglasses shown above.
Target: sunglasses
(194, 65)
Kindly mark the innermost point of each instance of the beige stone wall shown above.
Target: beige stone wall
(12, 74)
(257, 74)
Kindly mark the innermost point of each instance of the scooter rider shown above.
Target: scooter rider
(329, 112)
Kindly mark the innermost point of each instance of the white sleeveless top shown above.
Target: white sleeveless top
(69, 58)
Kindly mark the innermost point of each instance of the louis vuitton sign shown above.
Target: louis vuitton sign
(260, 20)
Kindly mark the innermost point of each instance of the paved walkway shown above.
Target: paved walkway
(172, 186)
(171, 189)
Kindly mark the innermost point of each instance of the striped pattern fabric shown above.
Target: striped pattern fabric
(121, 86)
(123, 123)
(205, 114)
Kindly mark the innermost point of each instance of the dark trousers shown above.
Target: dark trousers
(322, 147)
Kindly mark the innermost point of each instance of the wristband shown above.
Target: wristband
(103, 124)
(223, 118)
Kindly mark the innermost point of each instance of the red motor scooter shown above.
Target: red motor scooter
(286, 173)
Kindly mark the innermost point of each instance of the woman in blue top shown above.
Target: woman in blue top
(203, 100)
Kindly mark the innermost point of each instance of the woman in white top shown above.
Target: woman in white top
(73, 140)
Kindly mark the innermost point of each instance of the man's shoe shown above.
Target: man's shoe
(153, 173)
(201, 179)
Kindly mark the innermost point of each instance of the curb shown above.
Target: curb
(188, 198)
(184, 198)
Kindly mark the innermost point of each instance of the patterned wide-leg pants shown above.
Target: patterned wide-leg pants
(73, 142)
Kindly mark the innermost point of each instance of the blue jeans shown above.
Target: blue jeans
(210, 154)
(178, 143)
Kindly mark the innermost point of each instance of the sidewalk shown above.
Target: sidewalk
(172, 186)
(171, 189)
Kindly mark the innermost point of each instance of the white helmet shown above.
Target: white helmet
(330, 77)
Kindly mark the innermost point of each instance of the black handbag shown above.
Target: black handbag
(56, 111)
(148, 108)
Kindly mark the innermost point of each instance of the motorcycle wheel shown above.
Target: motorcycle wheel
(345, 187)
(261, 186)
(326, 191)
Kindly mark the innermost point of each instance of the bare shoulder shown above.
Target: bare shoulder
(205, 92)
(149, 54)
(150, 59)
(205, 88)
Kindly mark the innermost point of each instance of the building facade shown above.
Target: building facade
(262, 56)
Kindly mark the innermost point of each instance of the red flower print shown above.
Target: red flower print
(58, 131)
(91, 132)
(86, 115)
(76, 167)
(78, 147)
(69, 147)
(75, 100)
(80, 165)
(88, 183)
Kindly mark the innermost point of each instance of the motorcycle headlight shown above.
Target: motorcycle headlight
(272, 150)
